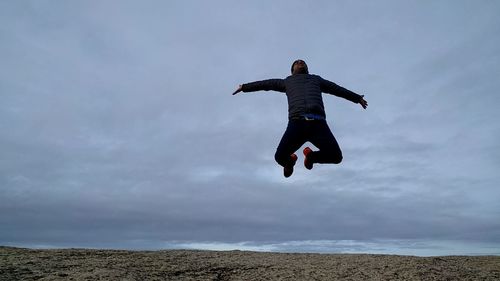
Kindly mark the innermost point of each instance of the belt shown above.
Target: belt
(309, 117)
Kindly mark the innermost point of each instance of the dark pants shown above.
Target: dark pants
(318, 133)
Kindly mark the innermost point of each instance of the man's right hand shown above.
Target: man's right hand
(237, 90)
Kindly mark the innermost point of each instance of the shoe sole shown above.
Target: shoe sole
(306, 152)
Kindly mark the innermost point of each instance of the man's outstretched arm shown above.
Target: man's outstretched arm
(336, 90)
(264, 85)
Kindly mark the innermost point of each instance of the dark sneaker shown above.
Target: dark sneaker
(307, 161)
(288, 170)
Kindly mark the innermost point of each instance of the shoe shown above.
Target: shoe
(288, 170)
(307, 161)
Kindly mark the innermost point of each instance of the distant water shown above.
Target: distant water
(392, 247)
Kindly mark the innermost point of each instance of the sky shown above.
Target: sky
(118, 128)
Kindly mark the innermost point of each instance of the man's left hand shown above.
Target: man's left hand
(363, 102)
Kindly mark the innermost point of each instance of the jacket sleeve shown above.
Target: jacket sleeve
(336, 90)
(265, 85)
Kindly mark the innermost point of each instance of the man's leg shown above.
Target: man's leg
(293, 139)
(321, 136)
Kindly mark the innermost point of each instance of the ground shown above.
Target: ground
(84, 264)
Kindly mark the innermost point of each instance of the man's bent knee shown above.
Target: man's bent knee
(337, 159)
(280, 158)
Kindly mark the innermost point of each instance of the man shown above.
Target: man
(306, 116)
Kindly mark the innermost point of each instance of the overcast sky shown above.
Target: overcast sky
(118, 128)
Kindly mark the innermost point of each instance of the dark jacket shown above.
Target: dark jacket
(303, 92)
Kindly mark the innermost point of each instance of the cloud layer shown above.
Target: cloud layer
(117, 124)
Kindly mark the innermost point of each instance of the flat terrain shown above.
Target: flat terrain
(83, 264)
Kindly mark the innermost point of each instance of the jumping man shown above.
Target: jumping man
(306, 116)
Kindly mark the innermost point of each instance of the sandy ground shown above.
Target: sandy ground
(83, 264)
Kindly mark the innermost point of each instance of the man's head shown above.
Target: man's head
(299, 67)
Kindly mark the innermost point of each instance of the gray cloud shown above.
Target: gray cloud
(117, 127)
